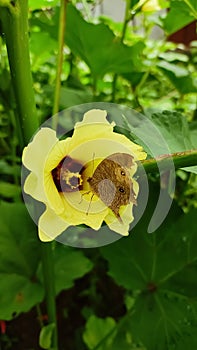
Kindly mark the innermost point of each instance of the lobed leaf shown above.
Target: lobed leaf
(181, 11)
(97, 45)
(19, 259)
(158, 270)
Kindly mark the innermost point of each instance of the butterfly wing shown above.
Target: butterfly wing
(111, 182)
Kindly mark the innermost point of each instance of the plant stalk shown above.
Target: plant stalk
(61, 36)
(127, 18)
(14, 19)
(49, 278)
(180, 160)
(15, 26)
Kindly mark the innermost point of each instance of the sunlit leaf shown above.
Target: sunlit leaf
(41, 45)
(96, 330)
(97, 45)
(46, 334)
(175, 130)
(38, 4)
(180, 15)
(180, 77)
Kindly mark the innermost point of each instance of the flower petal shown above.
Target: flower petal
(117, 226)
(51, 225)
(34, 187)
(35, 154)
(94, 137)
(58, 152)
(53, 197)
(78, 211)
(94, 125)
(93, 140)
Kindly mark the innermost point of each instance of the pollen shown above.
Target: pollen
(66, 175)
(73, 180)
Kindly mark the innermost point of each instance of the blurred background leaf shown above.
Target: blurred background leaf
(19, 259)
(184, 12)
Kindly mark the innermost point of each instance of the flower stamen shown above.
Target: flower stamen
(66, 175)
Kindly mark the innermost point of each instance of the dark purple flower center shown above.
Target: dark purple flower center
(67, 175)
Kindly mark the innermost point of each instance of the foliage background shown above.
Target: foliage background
(139, 292)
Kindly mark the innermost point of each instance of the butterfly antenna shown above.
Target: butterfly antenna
(93, 163)
(89, 204)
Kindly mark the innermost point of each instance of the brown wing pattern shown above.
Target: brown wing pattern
(111, 182)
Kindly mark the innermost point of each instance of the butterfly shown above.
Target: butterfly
(111, 182)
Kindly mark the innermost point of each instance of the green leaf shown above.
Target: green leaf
(175, 130)
(191, 169)
(97, 45)
(38, 4)
(177, 70)
(193, 135)
(45, 337)
(5, 80)
(134, 78)
(96, 330)
(180, 77)
(164, 314)
(180, 15)
(19, 259)
(189, 341)
(18, 294)
(69, 265)
(41, 45)
(71, 97)
(172, 56)
(154, 267)
(9, 190)
(159, 134)
(8, 169)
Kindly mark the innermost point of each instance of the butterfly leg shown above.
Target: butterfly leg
(89, 203)
(83, 194)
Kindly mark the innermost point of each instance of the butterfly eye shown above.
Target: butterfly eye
(122, 173)
(121, 189)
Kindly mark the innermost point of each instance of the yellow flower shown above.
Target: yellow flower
(149, 5)
(60, 173)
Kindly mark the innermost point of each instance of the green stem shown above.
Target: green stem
(180, 160)
(48, 274)
(62, 24)
(15, 26)
(14, 18)
(39, 313)
(127, 18)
